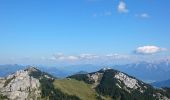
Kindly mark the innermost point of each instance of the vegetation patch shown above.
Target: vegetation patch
(48, 92)
(3, 97)
(82, 77)
(75, 87)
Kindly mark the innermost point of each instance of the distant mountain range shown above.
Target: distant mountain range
(160, 84)
(8, 69)
(105, 84)
(146, 71)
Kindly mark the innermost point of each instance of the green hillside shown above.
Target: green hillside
(74, 87)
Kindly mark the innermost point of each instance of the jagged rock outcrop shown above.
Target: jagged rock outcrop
(20, 86)
(129, 82)
(96, 77)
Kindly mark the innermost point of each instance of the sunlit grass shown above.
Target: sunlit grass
(74, 87)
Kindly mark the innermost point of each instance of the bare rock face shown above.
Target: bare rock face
(129, 82)
(2, 81)
(96, 77)
(20, 86)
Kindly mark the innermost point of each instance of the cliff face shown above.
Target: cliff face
(20, 86)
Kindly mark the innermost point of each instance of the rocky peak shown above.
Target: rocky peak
(21, 86)
(96, 78)
(106, 68)
(31, 69)
(128, 81)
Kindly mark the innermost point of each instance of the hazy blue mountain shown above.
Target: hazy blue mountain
(146, 71)
(165, 83)
(81, 67)
(81, 72)
(149, 72)
(8, 69)
(57, 72)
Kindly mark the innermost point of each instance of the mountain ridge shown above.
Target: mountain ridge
(105, 84)
(159, 84)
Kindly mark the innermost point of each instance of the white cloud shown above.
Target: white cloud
(143, 15)
(117, 56)
(61, 56)
(122, 8)
(149, 50)
(72, 58)
(102, 14)
(52, 58)
(111, 58)
(88, 56)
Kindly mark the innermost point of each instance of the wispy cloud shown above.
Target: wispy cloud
(143, 15)
(122, 8)
(107, 13)
(72, 58)
(88, 56)
(61, 56)
(117, 56)
(149, 50)
(101, 14)
(144, 53)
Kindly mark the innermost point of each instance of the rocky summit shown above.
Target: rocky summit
(20, 86)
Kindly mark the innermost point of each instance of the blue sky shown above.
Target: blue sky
(36, 29)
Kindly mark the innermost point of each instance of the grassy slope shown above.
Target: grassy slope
(74, 87)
